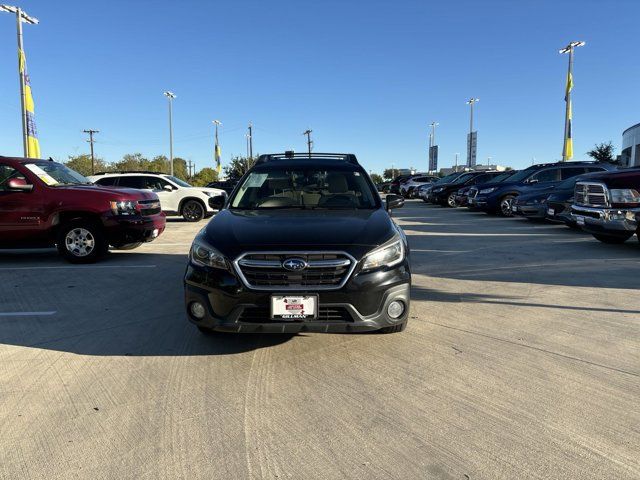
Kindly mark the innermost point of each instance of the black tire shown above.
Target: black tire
(451, 200)
(394, 328)
(128, 246)
(504, 210)
(81, 241)
(612, 239)
(193, 211)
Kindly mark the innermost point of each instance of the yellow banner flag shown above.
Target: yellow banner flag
(33, 145)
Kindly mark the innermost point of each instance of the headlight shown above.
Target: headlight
(624, 195)
(388, 255)
(124, 207)
(488, 190)
(204, 254)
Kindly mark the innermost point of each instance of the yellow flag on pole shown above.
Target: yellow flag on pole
(33, 145)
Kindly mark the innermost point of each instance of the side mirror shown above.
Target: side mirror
(217, 202)
(168, 188)
(394, 201)
(19, 185)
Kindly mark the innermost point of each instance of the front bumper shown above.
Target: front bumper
(606, 220)
(122, 230)
(530, 211)
(359, 306)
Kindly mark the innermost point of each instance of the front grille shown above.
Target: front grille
(591, 194)
(473, 192)
(325, 314)
(324, 271)
(149, 207)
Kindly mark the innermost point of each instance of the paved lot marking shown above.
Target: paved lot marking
(26, 314)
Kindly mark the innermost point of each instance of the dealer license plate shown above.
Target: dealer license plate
(514, 208)
(294, 307)
(580, 220)
(551, 212)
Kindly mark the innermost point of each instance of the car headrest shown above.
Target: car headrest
(337, 183)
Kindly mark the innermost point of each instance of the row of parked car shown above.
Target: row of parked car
(596, 197)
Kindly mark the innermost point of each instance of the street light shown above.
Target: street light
(470, 143)
(567, 148)
(21, 17)
(170, 96)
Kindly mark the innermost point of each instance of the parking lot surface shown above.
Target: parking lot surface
(521, 360)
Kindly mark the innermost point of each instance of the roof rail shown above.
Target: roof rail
(120, 172)
(347, 157)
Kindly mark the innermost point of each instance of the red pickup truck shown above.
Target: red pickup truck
(44, 203)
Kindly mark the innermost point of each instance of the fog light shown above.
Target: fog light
(395, 309)
(197, 310)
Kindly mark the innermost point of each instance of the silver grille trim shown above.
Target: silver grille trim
(591, 194)
(329, 274)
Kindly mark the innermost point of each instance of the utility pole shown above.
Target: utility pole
(170, 96)
(93, 160)
(246, 136)
(307, 132)
(470, 141)
(488, 161)
(250, 138)
(191, 167)
(21, 17)
(567, 148)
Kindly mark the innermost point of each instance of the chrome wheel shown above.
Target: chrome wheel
(505, 206)
(80, 242)
(451, 200)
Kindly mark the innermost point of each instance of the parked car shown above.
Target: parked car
(45, 204)
(226, 185)
(303, 244)
(397, 182)
(424, 191)
(465, 196)
(408, 187)
(532, 205)
(560, 200)
(176, 196)
(542, 177)
(607, 205)
(445, 194)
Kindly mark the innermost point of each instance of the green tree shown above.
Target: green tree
(82, 164)
(390, 173)
(239, 166)
(131, 162)
(204, 177)
(180, 169)
(603, 152)
(376, 178)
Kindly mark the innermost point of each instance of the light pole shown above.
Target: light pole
(170, 96)
(21, 16)
(471, 159)
(456, 167)
(567, 148)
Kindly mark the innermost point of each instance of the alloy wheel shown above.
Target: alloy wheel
(80, 242)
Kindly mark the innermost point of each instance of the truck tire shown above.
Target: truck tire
(81, 241)
(612, 239)
(193, 211)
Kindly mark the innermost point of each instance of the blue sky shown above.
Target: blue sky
(367, 77)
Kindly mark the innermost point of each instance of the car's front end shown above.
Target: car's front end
(531, 205)
(132, 220)
(559, 207)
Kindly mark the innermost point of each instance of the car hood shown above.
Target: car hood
(235, 231)
(628, 178)
(113, 193)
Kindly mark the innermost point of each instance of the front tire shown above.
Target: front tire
(81, 241)
(193, 211)
(612, 239)
(505, 206)
(451, 200)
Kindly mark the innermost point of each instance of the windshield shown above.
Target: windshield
(462, 178)
(182, 183)
(53, 174)
(501, 177)
(305, 188)
(449, 178)
(523, 174)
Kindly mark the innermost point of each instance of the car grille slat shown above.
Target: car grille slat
(149, 207)
(325, 314)
(591, 194)
(324, 270)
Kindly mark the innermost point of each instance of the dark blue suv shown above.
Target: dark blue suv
(545, 176)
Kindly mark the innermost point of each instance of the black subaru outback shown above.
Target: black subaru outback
(304, 243)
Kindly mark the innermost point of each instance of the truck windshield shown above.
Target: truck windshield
(53, 174)
(306, 189)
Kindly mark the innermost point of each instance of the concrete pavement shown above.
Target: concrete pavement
(521, 360)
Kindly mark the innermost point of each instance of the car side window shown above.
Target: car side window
(7, 173)
(594, 169)
(156, 184)
(569, 172)
(547, 175)
(107, 181)
(133, 181)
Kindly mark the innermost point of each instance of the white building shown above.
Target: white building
(630, 156)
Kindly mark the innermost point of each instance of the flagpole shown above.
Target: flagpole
(567, 113)
(23, 109)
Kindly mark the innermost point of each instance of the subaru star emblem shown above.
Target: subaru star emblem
(294, 264)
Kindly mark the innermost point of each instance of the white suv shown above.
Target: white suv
(177, 197)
